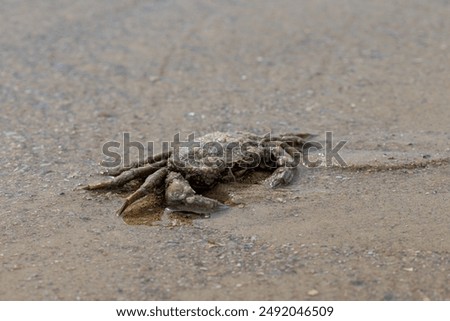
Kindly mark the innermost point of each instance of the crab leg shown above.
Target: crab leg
(293, 154)
(150, 160)
(305, 136)
(281, 176)
(295, 140)
(154, 180)
(286, 163)
(128, 176)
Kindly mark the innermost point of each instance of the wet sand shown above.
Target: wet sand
(376, 74)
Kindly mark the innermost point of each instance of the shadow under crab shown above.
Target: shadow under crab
(184, 172)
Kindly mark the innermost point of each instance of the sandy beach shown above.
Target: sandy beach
(75, 75)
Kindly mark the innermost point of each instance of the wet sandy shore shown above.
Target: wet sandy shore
(75, 75)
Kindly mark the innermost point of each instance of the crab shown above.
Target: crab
(183, 173)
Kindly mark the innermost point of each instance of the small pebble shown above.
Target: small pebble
(313, 292)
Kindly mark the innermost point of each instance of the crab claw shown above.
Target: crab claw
(182, 198)
(197, 204)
